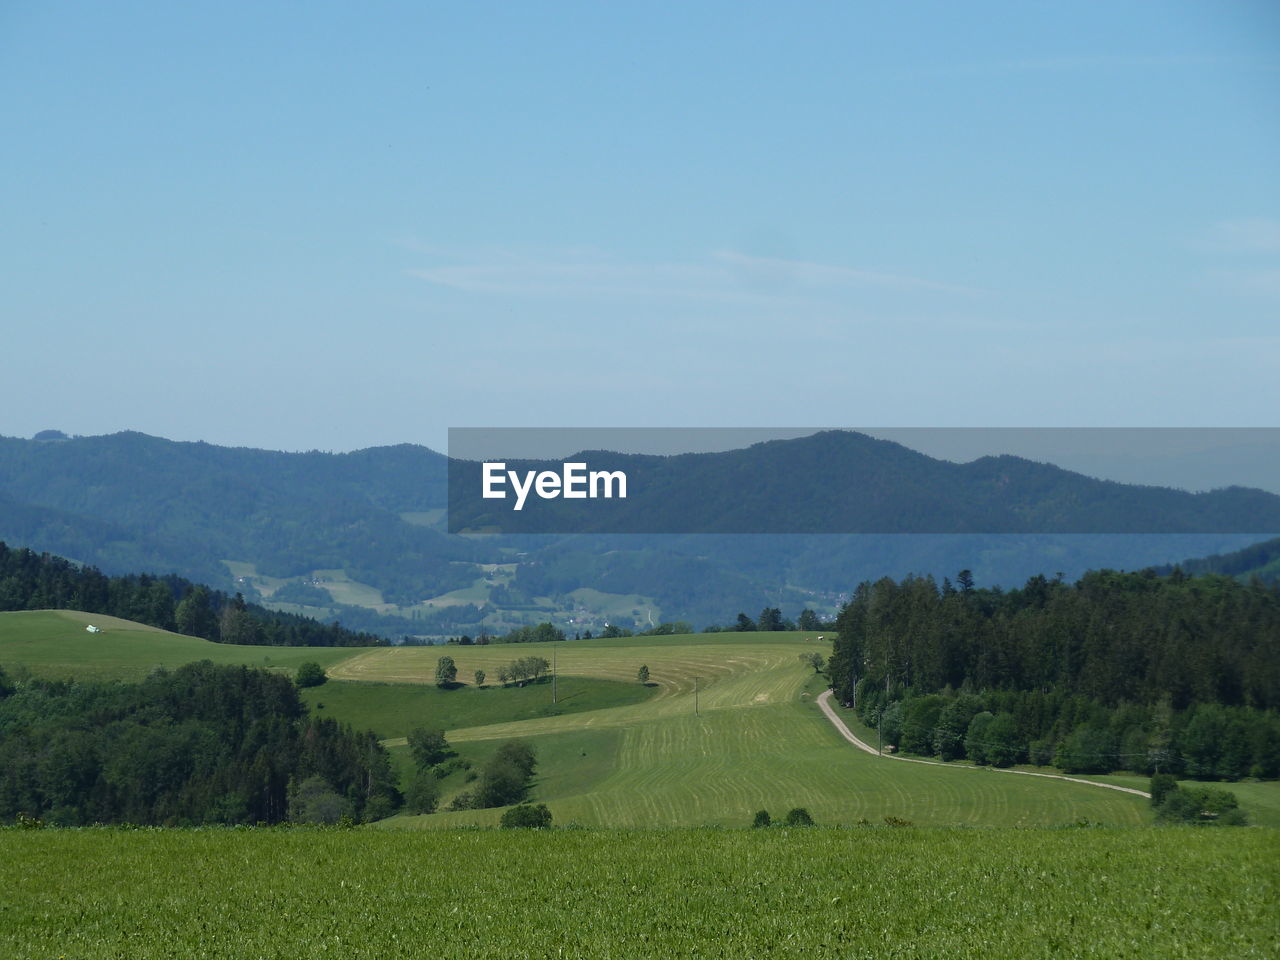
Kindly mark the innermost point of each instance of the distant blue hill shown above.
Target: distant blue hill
(129, 502)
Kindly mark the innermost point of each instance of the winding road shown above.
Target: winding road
(824, 703)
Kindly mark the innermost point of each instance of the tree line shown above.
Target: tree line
(772, 620)
(1118, 671)
(40, 581)
(201, 744)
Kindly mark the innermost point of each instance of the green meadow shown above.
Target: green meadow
(393, 709)
(812, 893)
(54, 643)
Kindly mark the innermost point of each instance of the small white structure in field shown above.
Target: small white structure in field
(92, 629)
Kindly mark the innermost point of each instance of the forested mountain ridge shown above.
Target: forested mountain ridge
(1261, 560)
(841, 481)
(129, 502)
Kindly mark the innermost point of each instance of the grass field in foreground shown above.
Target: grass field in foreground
(54, 643)
(810, 893)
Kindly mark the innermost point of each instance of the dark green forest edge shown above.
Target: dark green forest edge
(200, 744)
(1117, 672)
(35, 581)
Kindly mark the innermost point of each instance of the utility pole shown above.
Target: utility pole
(695, 696)
(553, 675)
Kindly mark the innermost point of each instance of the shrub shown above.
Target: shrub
(428, 746)
(315, 801)
(442, 770)
(762, 819)
(423, 794)
(310, 675)
(798, 817)
(1162, 784)
(1201, 805)
(535, 815)
(463, 801)
(378, 807)
(501, 784)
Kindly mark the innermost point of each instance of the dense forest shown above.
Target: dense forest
(201, 744)
(1131, 671)
(32, 581)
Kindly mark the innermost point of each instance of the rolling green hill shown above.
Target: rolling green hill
(1261, 560)
(55, 644)
(757, 740)
(611, 753)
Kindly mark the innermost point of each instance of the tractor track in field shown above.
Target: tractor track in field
(824, 703)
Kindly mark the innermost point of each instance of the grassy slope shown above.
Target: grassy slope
(54, 643)
(811, 894)
(609, 757)
(393, 709)
(758, 741)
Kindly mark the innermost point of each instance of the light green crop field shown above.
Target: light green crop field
(345, 590)
(811, 893)
(54, 643)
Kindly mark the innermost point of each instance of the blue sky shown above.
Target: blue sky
(333, 226)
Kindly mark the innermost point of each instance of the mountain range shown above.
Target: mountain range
(363, 536)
